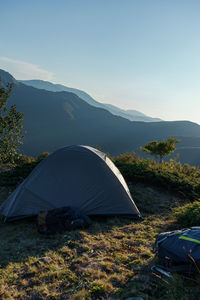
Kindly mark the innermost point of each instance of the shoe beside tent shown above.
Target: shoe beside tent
(77, 176)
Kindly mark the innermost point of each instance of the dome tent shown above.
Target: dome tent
(78, 176)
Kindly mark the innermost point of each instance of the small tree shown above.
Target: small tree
(11, 134)
(161, 149)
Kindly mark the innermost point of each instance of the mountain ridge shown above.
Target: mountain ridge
(131, 115)
(56, 119)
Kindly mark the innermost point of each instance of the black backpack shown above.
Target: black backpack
(179, 250)
(61, 219)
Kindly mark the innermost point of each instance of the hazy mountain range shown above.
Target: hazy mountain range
(56, 119)
(132, 115)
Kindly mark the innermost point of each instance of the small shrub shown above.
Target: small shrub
(182, 179)
(25, 166)
(188, 215)
(43, 155)
(125, 158)
(23, 159)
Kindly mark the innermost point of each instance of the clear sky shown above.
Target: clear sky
(136, 54)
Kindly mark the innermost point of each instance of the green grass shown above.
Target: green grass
(112, 258)
(183, 180)
(188, 215)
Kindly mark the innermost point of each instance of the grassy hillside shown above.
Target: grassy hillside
(113, 258)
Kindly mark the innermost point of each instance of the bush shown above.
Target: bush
(182, 179)
(188, 215)
(43, 155)
(23, 159)
(25, 165)
(126, 157)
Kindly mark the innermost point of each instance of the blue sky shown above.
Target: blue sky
(142, 54)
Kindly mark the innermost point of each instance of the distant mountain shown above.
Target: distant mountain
(56, 119)
(189, 150)
(132, 115)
